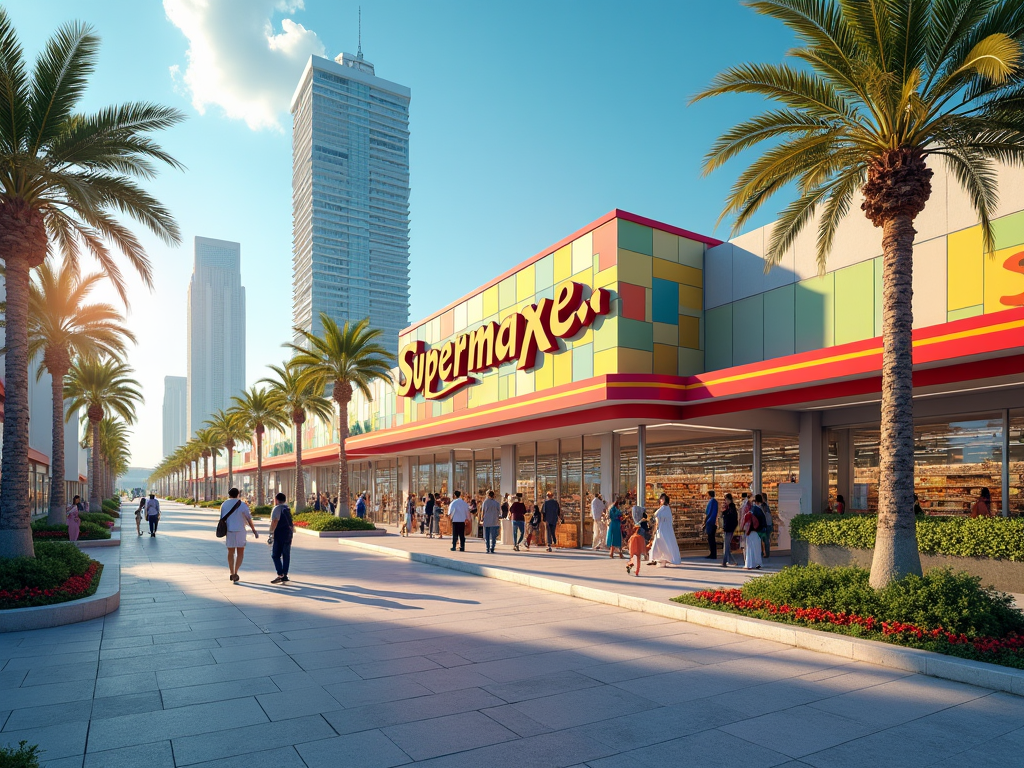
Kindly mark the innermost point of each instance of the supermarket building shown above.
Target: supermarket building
(635, 354)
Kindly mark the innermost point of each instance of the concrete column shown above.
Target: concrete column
(641, 466)
(813, 463)
(405, 462)
(508, 469)
(609, 474)
(844, 481)
(755, 470)
(1005, 502)
(451, 475)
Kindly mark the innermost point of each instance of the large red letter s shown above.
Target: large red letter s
(1015, 264)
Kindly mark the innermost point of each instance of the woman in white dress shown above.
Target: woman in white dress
(664, 547)
(752, 541)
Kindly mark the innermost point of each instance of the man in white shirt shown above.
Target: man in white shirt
(237, 514)
(597, 508)
(458, 511)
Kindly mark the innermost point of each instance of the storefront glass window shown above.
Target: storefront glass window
(952, 461)
(1016, 501)
(547, 469)
(526, 473)
(571, 498)
(463, 481)
(780, 463)
(441, 475)
(485, 472)
(591, 483)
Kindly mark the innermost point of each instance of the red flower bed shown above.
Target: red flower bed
(892, 631)
(301, 523)
(72, 589)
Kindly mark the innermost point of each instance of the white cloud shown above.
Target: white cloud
(236, 58)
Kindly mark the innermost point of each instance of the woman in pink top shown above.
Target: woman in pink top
(74, 521)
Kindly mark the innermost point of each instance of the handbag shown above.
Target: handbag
(222, 524)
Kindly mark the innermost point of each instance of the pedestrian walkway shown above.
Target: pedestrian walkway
(373, 661)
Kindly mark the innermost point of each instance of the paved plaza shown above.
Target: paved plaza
(368, 660)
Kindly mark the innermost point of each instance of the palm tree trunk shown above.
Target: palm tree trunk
(896, 554)
(342, 396)
(206, 478)
(97, 471)
(58, 496)
(231, 463)
(300, 481)
(259, 467)
(15, 512)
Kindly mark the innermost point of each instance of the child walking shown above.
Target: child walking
(637, 549)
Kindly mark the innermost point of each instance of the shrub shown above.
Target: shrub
(1001, 538)
(53, 564)
(100, 518)
(23, 757)
(954, 601)
(87, 532)
(324, 521)
(262, 510)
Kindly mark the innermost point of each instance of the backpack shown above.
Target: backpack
(757, 520)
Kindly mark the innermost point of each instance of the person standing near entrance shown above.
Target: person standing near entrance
(761, 502)
(752, 541)
(533, 527)
(74, 519)
(458, 511)
(613, 539)
(552, 517)
(428, 512)
(597, 515)
(665, 548)
(282, 530)
(153, 513)
(730, 522)
(410, 514)
(517, 511)
(361, 506)
(711, 525)
(491, 519)
(236, 514)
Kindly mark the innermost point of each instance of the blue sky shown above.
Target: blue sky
(528, 120)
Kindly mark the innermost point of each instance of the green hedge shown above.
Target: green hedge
(1000, 538)
(263, 510)
(54, 563)
(324, 521)
(86, 532)
(100, 518)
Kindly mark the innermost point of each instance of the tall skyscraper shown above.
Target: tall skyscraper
(175, 413)
(216, 330)
(350, 197)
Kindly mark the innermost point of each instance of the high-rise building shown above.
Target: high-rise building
(350, 197)
(175, 413)
(216, 330)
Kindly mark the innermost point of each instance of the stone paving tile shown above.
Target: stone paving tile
(202, 694)
(385, 714)
(995, 753)
(51, 660)
(12, 679)
(567, 710)
(53, 693)
(147, 649)
(455, 733)
(123, 731)
(55, 741)
(115, 706)
(221, 673)
(232, 741)
(359, 692)
(63, 673)
(562, 748)
(517, 722)
(50, 714)
(155, 755)
(369, 749)
(124, 685)
(156, 662)
(284, 705)
(283, 757)
(798, 731)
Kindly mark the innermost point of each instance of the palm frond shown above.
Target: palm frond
(14, 91)
(58, 81)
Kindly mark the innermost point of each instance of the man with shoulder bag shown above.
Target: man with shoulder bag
(234, 514)
(282, 530)
(153, 514)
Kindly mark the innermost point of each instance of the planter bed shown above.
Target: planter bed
(340, 534)
(1004, 575)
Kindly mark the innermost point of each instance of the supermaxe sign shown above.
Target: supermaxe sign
(440, 372)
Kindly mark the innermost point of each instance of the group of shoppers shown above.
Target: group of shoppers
(236, 515)
(750, 525)
(654, 541)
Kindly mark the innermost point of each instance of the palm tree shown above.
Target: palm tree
(258, 409)
(886, 84)
(114, 452)
(100, 388)
(65, 178)
(206, 440)
(61, 327)
(298, 398)
(230, 429)
(343, 358)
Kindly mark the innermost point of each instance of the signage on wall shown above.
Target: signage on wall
(440, 372)
(1014, 264)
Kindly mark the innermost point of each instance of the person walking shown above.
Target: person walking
(74, 519)
(597, 508)
(153, 514)
(491, 521)
(552, 517)
(428, 512)
(361, 506)
(983, 506)
(711, 525)
(840, 504)
(138, 513)
(458, 511)
(517, 511)
(613, 539)
(282, 530)
(751, 541)
(637, 549)
(472, 526)
(236, 514)
(410, 513)
(730, 522)
(664, 548)
(505, 504)
(533, 528)
(765, 531)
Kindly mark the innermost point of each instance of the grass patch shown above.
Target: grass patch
(942, 611)
(59, 572)
(324, 521)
